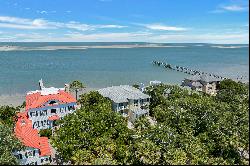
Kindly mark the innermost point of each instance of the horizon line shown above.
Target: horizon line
(114, 42)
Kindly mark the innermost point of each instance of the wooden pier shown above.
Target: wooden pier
(185, 69)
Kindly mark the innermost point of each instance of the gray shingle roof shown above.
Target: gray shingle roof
(122, 93)
(197, 84)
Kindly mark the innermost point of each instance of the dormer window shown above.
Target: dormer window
(52, 102)
(23, 122)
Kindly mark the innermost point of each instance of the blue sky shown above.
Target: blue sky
(168, 21)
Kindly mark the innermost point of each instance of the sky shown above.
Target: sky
(155, 21)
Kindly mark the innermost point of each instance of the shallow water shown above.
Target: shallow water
(20, 70)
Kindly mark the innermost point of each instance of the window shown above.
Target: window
(120, 104)
(26, 155)
(71, 108)
(53, 111)
(136, 103)
(52, 102)
(54, 123)
(19, 156)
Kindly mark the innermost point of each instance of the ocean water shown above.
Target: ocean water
(21, 68)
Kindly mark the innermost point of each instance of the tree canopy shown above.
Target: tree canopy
(76, 86)
(192, 128)
(8, 142)
(94, 134)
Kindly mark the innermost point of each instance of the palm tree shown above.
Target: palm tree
(76, 86)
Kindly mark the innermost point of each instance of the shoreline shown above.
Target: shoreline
(83, 47)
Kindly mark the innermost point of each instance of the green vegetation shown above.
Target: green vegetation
(76, 86)
(8, 115)
(8, 142)
(231, 91)
(94, 134)
(45, 133)
(136, 86)
(192, 128)
(210, 130)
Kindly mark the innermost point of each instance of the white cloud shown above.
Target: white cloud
(23, 23)
(164, 38)
(13, 20)
(77, 26)
(162, 27)
(148, 35)
(105, 37)
(20, 26)
(235, 8)
(43, 12)
(237, 38)
(204, 38)
(111, 26)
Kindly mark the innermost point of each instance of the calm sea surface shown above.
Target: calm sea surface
(20, 70)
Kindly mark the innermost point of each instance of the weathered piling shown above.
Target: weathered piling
(185, 69)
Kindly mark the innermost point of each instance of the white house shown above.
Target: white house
(43, 108)
(47, 105)
(127, 100)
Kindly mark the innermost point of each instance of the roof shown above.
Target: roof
(154, 82)
(30, 137)
(34, 99)
(37, 98)
(54, 117)
(44, 146)
(204, 77)
(196, 84)
(121, 94)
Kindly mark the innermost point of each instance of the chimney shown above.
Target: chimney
(66, 87)
(41, 86)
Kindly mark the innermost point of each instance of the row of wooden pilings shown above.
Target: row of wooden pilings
(185, 69)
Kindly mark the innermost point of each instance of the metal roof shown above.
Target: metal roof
(121, 94)
(204, 77)
(197, 84)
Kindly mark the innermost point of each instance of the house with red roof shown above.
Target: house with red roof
(43, 108)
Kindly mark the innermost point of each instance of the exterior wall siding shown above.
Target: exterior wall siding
(131, 105)
(30, 156)
(40, 116)
(40, 120)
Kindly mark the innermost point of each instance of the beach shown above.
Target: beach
(12, 100)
